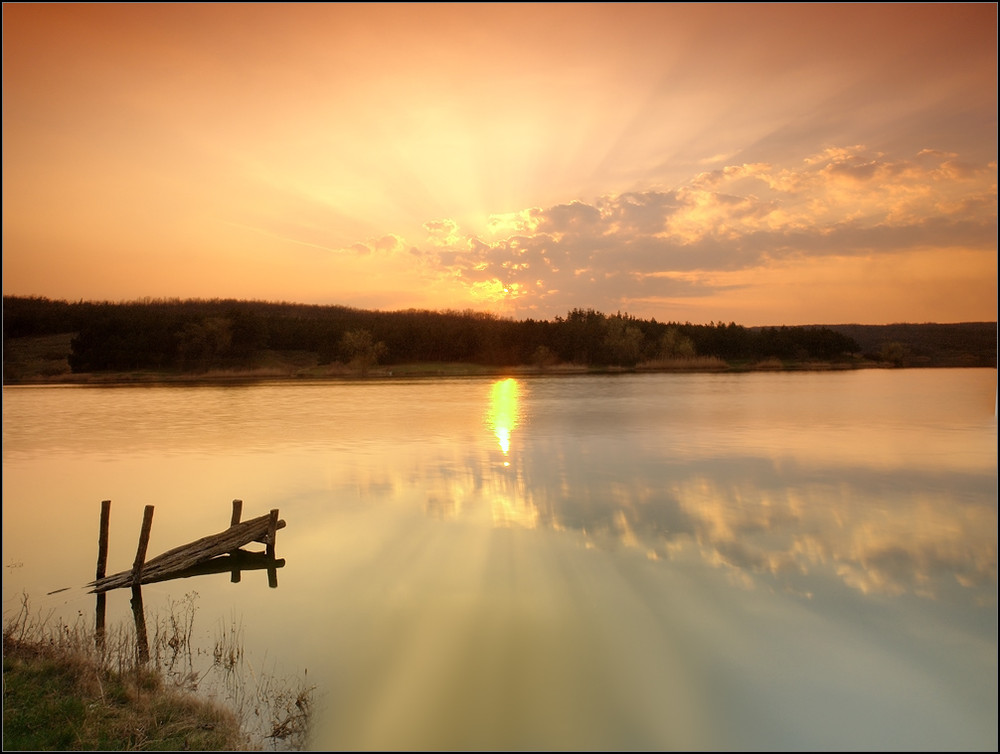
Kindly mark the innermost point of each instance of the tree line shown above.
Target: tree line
(196, 335)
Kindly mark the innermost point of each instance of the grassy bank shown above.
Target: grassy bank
(68, 688)
(56, 698)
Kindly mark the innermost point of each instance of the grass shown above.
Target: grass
(686, 364)
(68, 688)
(59, 700)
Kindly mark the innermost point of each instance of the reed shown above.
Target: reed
(66, 686)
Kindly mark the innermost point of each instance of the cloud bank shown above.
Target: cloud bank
(659, 247)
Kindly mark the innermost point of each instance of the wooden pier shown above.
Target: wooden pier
(212, 554)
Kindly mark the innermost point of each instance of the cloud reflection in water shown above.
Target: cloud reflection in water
(789, 520)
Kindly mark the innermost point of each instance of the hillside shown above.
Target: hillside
(961, 344)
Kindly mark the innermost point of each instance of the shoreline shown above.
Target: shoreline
(425, 371)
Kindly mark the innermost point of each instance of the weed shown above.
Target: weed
(67, 686)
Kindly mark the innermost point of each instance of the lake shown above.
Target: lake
(762, 561)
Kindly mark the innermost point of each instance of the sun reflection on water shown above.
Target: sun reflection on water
(502, 414)
(510, 504)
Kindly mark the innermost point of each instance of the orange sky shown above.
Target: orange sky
(764, 164)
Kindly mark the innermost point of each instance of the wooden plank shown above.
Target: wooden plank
(241, 560)
(254, 530)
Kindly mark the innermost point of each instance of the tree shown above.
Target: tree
(361, 350)
(895, 353)
(675, 345)
(205, 343)
(622, 343)
(543, 357)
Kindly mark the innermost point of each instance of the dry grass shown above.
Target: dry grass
(691, 364)
(769, 365)
(67, 687)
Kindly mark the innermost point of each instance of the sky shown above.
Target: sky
(764, 164)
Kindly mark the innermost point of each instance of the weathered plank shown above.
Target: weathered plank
(241, 560)
(259, 529)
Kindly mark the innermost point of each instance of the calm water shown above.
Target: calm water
(759, 561)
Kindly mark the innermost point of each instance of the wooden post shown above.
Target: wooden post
(102, 541)
(102, 565)
(272, 535)
(140, 553)
(237, 512)
(272, 532)
(139, 615)
(102, 612)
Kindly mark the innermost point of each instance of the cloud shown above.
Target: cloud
(523, 221)
(442, 232)
(574, 218)
(642, 213)
(633, 246)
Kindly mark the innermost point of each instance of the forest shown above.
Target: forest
(198, 336)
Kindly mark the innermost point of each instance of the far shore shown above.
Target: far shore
(340, 373)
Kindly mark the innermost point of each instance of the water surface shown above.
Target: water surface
(759, 561)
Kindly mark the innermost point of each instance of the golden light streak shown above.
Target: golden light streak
(503, 412)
